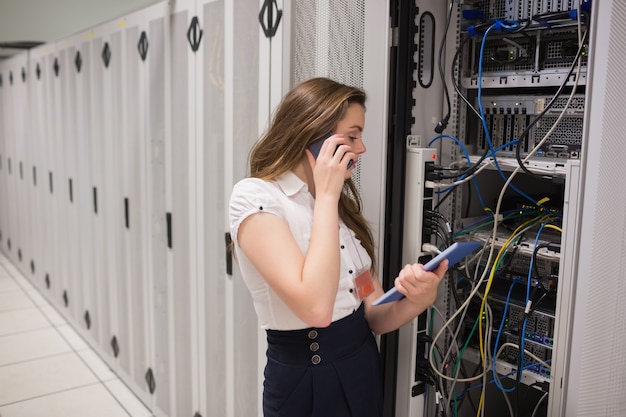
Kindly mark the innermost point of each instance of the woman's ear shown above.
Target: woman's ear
(310, 158)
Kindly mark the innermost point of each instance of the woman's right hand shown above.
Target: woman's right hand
(329, 169)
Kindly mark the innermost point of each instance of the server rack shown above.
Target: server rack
(511, 72)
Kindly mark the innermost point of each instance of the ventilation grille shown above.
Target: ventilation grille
(523, 9)
(602, 358)
(328, 42)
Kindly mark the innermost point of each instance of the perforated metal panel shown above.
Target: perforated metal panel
(329, 41)
(522, 9)
(597, 381)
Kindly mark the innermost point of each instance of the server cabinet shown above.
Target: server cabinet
(15, 233)
(227, 68)
(499, 82)
(181, 171)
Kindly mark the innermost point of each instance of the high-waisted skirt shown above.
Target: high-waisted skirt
(324, 372)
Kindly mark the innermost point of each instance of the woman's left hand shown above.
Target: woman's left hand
(419, 286)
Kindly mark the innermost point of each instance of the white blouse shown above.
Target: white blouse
(288, 197)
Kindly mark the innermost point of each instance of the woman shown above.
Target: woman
(307, 255)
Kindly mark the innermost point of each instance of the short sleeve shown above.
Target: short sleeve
(250, 196)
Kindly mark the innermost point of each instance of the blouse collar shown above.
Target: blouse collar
(291, 184)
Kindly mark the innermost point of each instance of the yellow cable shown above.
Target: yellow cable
(501, 252)
(557, 228)
(490, 281)
(480, 404)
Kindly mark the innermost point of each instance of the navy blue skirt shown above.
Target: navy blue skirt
(328, 372)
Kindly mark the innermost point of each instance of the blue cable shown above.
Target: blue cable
(458, 142)
(498, 25)
(495, 348)
(530, 272)
(469, 163)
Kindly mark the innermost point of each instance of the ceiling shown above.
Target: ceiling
(40, 21)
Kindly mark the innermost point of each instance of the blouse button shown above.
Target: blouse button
(316, 359)
(349, 271)
(342, 247)
(312, 334)
(314, 347)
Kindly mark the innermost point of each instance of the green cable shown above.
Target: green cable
(458, 360)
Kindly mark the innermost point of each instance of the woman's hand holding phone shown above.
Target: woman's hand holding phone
(316, 147)
(329, 172)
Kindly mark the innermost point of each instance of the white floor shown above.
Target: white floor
(46, 368)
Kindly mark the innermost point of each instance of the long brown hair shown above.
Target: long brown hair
(306, 113)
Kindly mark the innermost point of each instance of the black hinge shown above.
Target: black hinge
(168, 219)
(115, 346)
(78, 61)
(150, 380)
(65, 299)
(11, 77)
(194, 34)
(0, 80)
(95, 200)
(229, 253)
(87, 319)
(19, 254)
(142, 46)
(50, 182)
(106, 55)
(56, 67)
(267, 20)
(38, 71)
(9, 243)
(71, 191)
(34, 176)
(47, 279)
(32, 264)
(23, 74)
(21, 171)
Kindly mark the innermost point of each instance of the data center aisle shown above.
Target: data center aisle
(46, 368)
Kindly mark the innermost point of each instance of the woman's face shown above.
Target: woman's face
(351, 127)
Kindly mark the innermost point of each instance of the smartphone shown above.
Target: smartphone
(317, 145)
